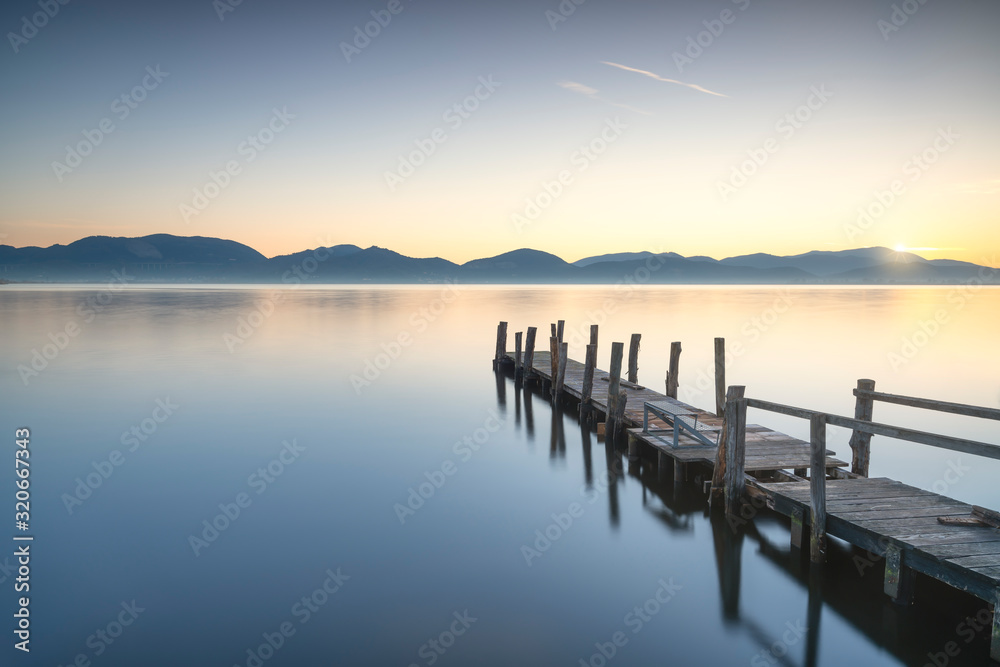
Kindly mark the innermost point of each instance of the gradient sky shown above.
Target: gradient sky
(322, 179)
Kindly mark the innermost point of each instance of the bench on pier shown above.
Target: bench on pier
(680, 421)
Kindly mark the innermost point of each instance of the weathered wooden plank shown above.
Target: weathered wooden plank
(942, 441)
(926, 403)
(980, 560)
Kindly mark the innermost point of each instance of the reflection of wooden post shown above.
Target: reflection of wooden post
(817, 488)
(720, 376)
(590, 364)
(614, 384)
(529, 351)
(633, 359)
(736, 427)
(672, 374)
(518, 371)
(861, 442)
(501, 344)
(561, 370)
(718, 475)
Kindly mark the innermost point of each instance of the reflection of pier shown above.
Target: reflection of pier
(835, 585)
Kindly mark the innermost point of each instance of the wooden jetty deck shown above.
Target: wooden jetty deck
(753, 466)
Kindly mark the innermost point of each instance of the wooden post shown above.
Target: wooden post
(720, 376)
(898, 581)
(593, 334)
(588, 378)
(798, 519)
(561, 370)
(529, 351)
(995, 643)
(620, 412)
(861, 442)
(614, 383)
(817, 488)
(736, 428)
(633, 359)
(501, 344)
(518, 370)
(633, 448)
(673, 373)
(559, 330)
(718, 475)
(554, 361)
(554, 331)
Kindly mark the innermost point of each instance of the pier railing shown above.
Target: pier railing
(863, 428)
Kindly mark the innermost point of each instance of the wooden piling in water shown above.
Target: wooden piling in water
(593, 334)
(560, 377)
(736, 427)
(518, 369)
(817, 488)
(529, 351)
(633, 359)
(861, 443)
(620, 413)
(553, 360)
(560, 327)
(614, 383)
(501, 344)
(674, 372)
(718, 473)
(590, 364)
(720, 376)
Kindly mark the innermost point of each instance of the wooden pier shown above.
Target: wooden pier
(752, 467)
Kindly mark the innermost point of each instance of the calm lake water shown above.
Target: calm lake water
(389, 485)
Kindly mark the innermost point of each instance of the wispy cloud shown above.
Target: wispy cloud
(653, 75)
(587, 91)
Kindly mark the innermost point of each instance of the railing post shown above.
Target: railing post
(718, 474)
(817, 488)
(518, 369)
(529, 351)
(501, 344)
(720, 376)
(672, 374)
(861, 442)
(614, 384)
(633, 359)
(735, 474)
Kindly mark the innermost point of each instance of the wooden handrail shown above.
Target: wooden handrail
(931, 404)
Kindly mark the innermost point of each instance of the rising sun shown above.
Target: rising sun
(900, 247)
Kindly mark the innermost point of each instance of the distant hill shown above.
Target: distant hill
(163, 258)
